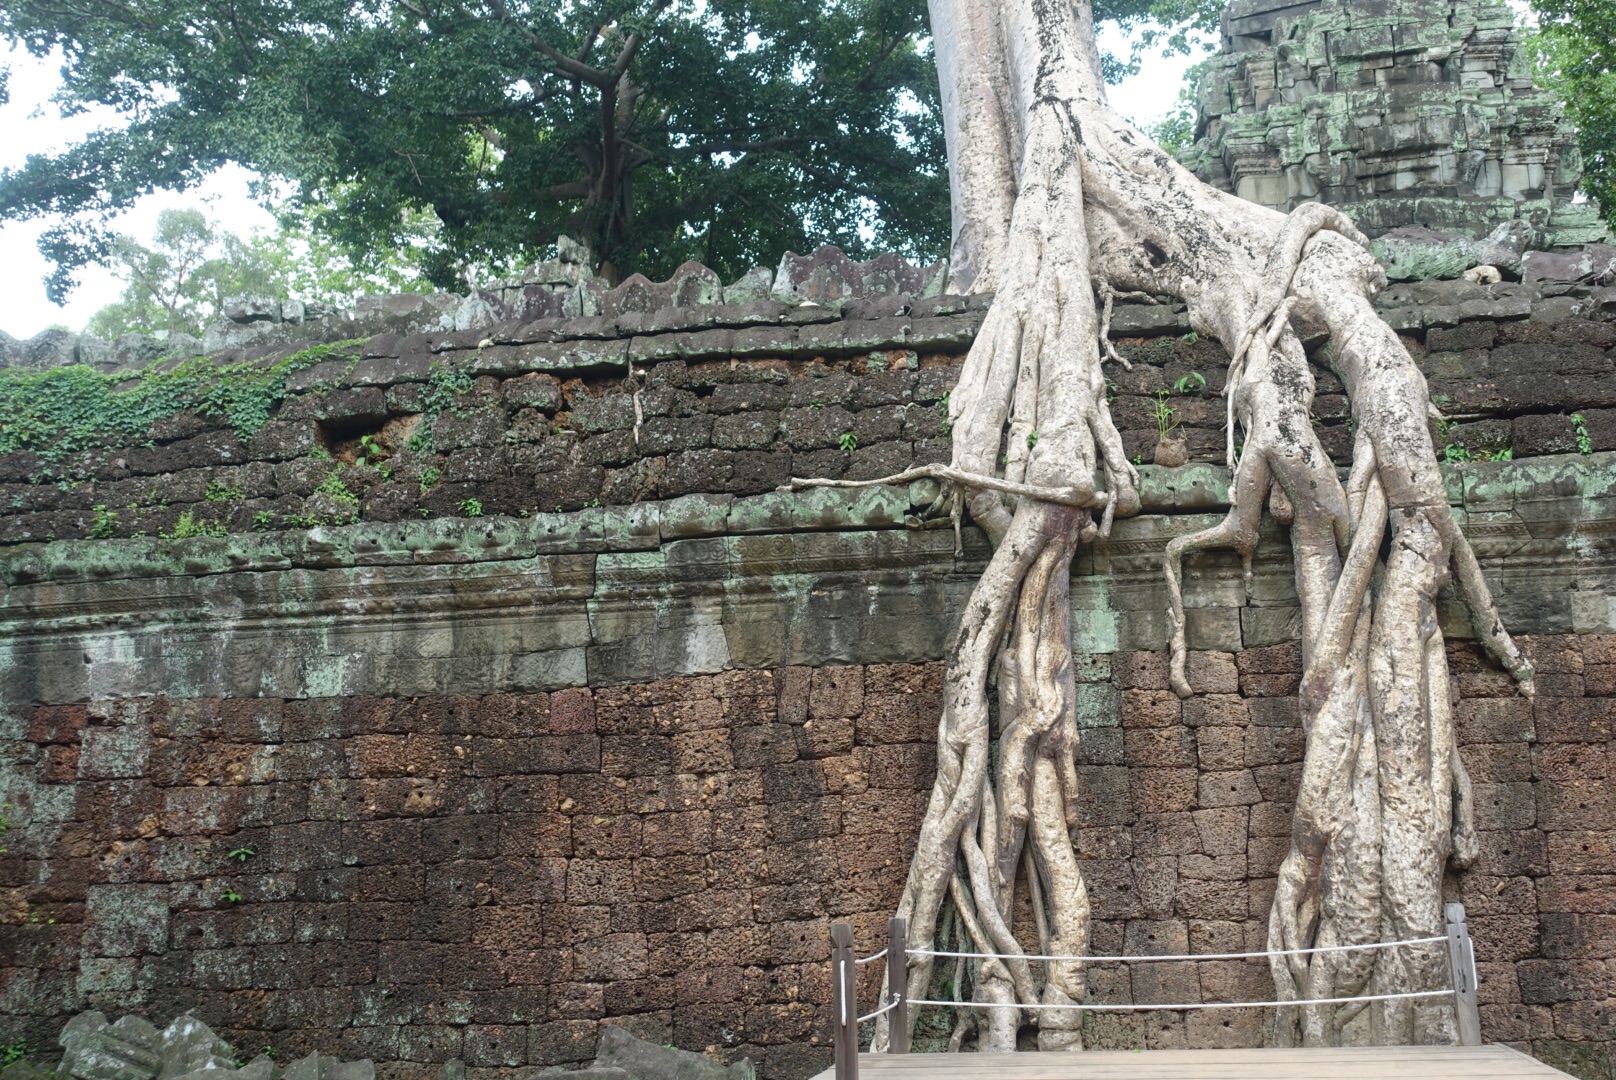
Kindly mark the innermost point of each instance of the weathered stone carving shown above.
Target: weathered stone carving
(95, 1050)
(1595, 265)
(1415, 253)
(560, 288)
(1398, 112)
(830, 278)
(133, 1049)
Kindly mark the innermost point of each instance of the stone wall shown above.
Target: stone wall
(429, 784)
(491, 877)
(559, 414)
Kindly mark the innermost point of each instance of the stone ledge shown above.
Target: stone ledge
(696, 586)
(1477, 488)
(447, 541)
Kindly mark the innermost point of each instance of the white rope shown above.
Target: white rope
(875, 956)
(1191, 956)
(888, 1007)
(1192, 1005)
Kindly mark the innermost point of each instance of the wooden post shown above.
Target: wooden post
(898, 986)
(1462, 962)
(843, 1001)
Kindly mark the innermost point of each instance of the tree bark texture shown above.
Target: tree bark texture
(1057, 201)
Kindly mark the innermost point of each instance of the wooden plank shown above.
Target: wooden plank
(1256, 1063)
(1462, 967)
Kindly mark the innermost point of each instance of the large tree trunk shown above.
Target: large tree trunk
(1056, 200)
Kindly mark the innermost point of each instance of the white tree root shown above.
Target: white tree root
(1081, 495)
(1059, 201)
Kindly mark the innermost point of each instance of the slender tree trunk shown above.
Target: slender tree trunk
(1057, 199)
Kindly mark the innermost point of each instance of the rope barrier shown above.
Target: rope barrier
(1191, 956)
(1460, 952)
(888, 1007)
(1191, 1005)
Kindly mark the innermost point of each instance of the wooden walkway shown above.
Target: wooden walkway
(1347, 1063)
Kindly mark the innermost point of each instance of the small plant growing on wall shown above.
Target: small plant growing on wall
(444, 386)
(333, 486)
(471, 508)
(60, 411)
(1170, 447)
(370, 451)
(1579, 427)
(189, 525)
(102, 522)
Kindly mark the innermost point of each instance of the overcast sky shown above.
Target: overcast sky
(30, 124)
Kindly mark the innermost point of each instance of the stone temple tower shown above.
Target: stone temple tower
(1400, 112)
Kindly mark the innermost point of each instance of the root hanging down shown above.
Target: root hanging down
(1383, 805)
(1061, 206)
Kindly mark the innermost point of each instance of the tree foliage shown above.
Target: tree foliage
(167, 285)
(1175, 132)
(192, 267)
(1177, 27)
(652, 130)
(1575, 47)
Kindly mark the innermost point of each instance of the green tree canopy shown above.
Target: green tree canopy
(1576, 52)
(165, 285)
(192, 267)
(652, 130)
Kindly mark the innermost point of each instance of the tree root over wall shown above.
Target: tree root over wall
(1056, 200)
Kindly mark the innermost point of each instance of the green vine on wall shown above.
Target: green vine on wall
(64, 410)
(444, 385)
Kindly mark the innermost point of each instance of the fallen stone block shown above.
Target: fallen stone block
(96, 1050)
(189, 1046)
(643, 1060)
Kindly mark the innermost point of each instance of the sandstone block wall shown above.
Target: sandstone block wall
(540, 417)
(352, 767)
(492, 877)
